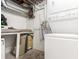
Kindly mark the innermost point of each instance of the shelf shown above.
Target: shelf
(15, 31)
(18, 33)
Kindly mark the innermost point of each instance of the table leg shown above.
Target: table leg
(17, 45)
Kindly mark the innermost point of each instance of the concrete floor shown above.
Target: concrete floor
(10, 56)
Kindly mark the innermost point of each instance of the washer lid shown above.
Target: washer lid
(60, 35)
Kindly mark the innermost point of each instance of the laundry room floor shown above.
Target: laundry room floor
(31, 54)
(10, 56)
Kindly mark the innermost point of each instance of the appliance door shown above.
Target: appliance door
(61, 48)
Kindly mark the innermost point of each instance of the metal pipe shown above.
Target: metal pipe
(10, 7)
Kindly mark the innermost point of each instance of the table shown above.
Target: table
(17, 32)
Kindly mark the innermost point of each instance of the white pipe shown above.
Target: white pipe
(13, 8)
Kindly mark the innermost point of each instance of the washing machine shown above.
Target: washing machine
(61, 46)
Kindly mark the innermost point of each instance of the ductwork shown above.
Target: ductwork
(13, 6)
(23, 8)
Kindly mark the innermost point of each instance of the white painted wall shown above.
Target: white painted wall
(38, 43)
(16, 21)
(9, 42)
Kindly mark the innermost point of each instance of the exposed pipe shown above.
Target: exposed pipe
(10, 7)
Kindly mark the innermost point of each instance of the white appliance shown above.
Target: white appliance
(56, 6)
(2, 48)
(61, 46)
